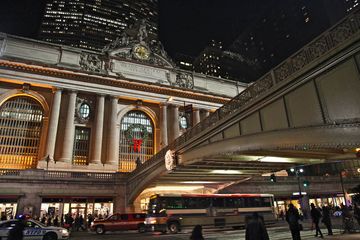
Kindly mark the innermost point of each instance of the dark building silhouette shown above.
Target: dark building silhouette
(281, 30)
(91, 24)
(277, 31)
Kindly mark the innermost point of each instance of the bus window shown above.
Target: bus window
(174, 203)
(266, 202)
(218, 202)
(232, 202)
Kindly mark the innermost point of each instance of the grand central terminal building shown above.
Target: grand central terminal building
(79, 113)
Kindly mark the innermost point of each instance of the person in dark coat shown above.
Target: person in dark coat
(357, 213)
(197, 233)
(315, 216)
(17, 232)
(255, 229)
(327, 219)
(293, 217)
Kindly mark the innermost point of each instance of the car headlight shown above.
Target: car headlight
(152, 221)
(64, 231)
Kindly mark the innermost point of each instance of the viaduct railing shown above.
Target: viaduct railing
(63, 175)
(329, 43)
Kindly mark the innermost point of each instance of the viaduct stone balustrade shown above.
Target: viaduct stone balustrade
(305, 103)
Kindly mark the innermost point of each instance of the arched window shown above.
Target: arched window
(136, 140)
(21, 120)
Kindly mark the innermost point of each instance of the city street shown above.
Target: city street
(275, 233)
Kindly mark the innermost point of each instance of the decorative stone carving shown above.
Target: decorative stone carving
(84, 109)
(184, 80)
(135, 43)
(90, 62)
(170, 161)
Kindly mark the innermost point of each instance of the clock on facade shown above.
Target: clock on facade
(141, 52)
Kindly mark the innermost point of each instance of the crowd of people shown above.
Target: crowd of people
(75, 222)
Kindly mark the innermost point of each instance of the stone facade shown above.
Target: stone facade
(79, 90)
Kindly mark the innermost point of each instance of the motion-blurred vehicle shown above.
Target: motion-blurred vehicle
(34, 230)
(120, 222)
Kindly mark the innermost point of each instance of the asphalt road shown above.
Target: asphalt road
(275, 233)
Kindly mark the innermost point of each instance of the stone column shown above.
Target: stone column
(53, 125)
(196, 117)
(69, 130)
(30, 204)
(204, 114)
(112, 148)
(163, 125)
(99, 126)
(173, 124)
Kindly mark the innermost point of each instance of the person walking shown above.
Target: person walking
(293, 217)
(197, 233)
(327, 219)
(17, 232)
(255, 228)
(357, 213)
(315, 216)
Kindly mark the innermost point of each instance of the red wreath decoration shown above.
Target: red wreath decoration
(135, 141)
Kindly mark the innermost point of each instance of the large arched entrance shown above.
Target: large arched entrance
(136, 140)
(21, 121)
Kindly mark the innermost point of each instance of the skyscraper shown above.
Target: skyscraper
(91, 24)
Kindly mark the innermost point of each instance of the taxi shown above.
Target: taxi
(34, 230)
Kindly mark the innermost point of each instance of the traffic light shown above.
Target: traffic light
(306, 183)
(272, 178)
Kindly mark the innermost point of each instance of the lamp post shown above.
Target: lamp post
(297, 171)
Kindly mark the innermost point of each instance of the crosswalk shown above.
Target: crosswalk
(279, 233)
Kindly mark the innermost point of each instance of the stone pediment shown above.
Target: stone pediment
(136, 44)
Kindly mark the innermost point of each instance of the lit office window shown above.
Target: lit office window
(81, 146)
(21, 120)
(135, 126)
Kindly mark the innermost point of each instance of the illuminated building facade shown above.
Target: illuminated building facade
(88, 119)
(209, 60)
(91, 24)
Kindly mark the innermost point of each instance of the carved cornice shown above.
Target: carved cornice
(112, 81)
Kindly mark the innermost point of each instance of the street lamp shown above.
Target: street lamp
(297, 172)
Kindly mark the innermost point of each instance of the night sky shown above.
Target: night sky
(186, 26)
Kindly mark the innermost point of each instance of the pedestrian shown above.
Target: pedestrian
(327, 219)
(255, 228)
(77, 222)
(17, 232)
(293, 217)
(197, 233)
(90, 220)
(56, 221)
(81, 222)
(43, 219)
(347, 218)
(49, 221)
(357, 213)
(282, 215)
(315, 216)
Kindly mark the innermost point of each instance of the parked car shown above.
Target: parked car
(34, 230)
(120, 222)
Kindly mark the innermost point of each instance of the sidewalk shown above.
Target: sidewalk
(351, 236)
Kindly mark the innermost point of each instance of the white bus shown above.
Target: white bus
(169, 212)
